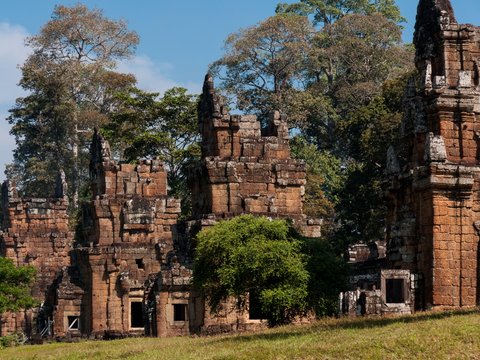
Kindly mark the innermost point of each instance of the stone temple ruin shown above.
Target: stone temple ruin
(128, 270)
(245, 171)
(432, 252)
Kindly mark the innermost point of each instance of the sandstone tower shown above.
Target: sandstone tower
(247, 169)
(434, 213)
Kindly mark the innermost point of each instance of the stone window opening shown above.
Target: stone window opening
(179, 312)
(395, 291)
(476, 73)
(140, 264)
(73, 323)
(136, 315)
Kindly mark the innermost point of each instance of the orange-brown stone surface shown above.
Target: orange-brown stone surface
(127, 271)
(127, 236)
(435, 176)
(245, 169)
(36, 232)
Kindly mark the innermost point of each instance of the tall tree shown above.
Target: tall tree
(74, 58)
(324, 179)
(342, 80)
(368, 133)
(336, 101)
(263, 64)
(146, 126)
(326, 12)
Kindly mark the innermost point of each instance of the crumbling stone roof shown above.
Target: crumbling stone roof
(431, 16)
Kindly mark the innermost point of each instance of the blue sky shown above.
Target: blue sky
(179, 38)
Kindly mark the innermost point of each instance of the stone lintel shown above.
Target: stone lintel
(455, 32)
(453, 100)
(123, 248)
(445, 177)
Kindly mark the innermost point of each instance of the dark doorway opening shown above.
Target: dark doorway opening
(255, 307)
(140, 263)
(179, 312)
(395, 291)
(136, 315)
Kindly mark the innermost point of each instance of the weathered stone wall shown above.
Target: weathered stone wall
(229, 319)
(377, 291)
(68, 303)
(435, 177)
(245, 171)
(127, 239)
(36, 232)
(129, 271)
(365, 252)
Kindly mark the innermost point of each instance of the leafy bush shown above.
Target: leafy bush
(15, 286)
(257, 255)
(12, 340)
(286, 273)
(328, 276)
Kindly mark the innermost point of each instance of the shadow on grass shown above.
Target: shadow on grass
(340, 324)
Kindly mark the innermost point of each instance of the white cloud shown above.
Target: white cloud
(13, 53)
(153, 76)
(7, 144)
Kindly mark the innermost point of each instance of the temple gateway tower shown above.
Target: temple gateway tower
(434, 219)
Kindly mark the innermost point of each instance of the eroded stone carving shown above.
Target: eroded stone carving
(435, 148)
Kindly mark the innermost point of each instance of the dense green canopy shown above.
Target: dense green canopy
(15, 286)
(252, 255)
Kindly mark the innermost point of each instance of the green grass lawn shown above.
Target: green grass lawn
(425, 336)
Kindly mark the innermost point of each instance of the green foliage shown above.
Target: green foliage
(263, 63)
(326, 12)
(282, 303)
(252, 254)
(367, 134)
(8, 341)
(289, 274)
(346, 80)
(328, 276)
(362, 210)
(313, 111)
(15, 286)
(39, 127)
(346, 105)
(12, 340)
(70, 80)
(314, 77)
(146, 126)
(370, 130)
(324, 178)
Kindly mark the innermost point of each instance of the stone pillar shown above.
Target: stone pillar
(162, 300)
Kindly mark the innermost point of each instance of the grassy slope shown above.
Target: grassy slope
(426, 336)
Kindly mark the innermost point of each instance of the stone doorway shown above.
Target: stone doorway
(137, 320)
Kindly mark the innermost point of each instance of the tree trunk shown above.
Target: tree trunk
(75, 161)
